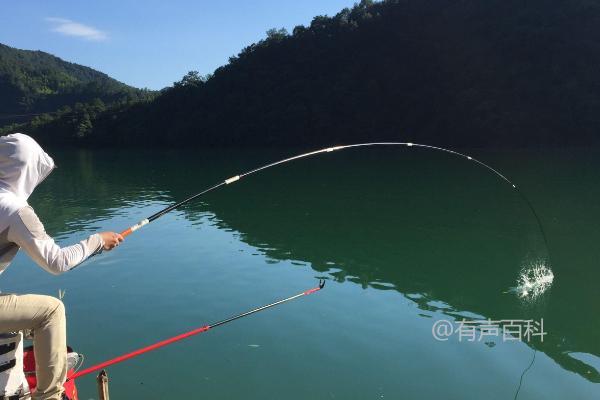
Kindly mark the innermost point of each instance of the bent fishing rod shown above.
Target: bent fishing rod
(193, 332)
(236, 178)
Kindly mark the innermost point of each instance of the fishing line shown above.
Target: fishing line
(524, 372)
(236, 178)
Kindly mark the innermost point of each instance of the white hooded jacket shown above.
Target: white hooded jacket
(23, 166)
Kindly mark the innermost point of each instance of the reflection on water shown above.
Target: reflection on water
(448, 237)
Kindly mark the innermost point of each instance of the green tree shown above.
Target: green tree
(277, 35)
(191, 79)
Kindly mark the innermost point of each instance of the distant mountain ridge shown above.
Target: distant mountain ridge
(36, 82)
(468, 73)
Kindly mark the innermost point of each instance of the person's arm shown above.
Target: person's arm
(27, 231)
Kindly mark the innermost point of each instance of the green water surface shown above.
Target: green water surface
(404, 238)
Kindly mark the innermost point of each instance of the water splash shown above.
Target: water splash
(533, 281)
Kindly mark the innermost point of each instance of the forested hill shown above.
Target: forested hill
(35, 82)
(447, 72)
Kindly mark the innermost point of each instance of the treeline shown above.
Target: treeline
(34, 82)
(458, 73)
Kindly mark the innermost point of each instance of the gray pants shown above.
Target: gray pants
(45, 315)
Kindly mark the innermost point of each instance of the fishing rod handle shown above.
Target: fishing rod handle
(134, 228)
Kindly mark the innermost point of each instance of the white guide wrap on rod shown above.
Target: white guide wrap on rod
(139, 225)
(232, 179)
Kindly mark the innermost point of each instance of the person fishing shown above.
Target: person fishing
(23, 166)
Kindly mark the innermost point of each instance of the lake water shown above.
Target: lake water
(404, 237)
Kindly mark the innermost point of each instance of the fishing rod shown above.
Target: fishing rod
(236, 178)
(186, 335)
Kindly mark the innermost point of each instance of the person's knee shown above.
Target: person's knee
(54, 308)
(57, 306)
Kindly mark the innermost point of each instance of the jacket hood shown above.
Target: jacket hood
(23, 165)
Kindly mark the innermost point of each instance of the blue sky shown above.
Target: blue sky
(151, 43)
